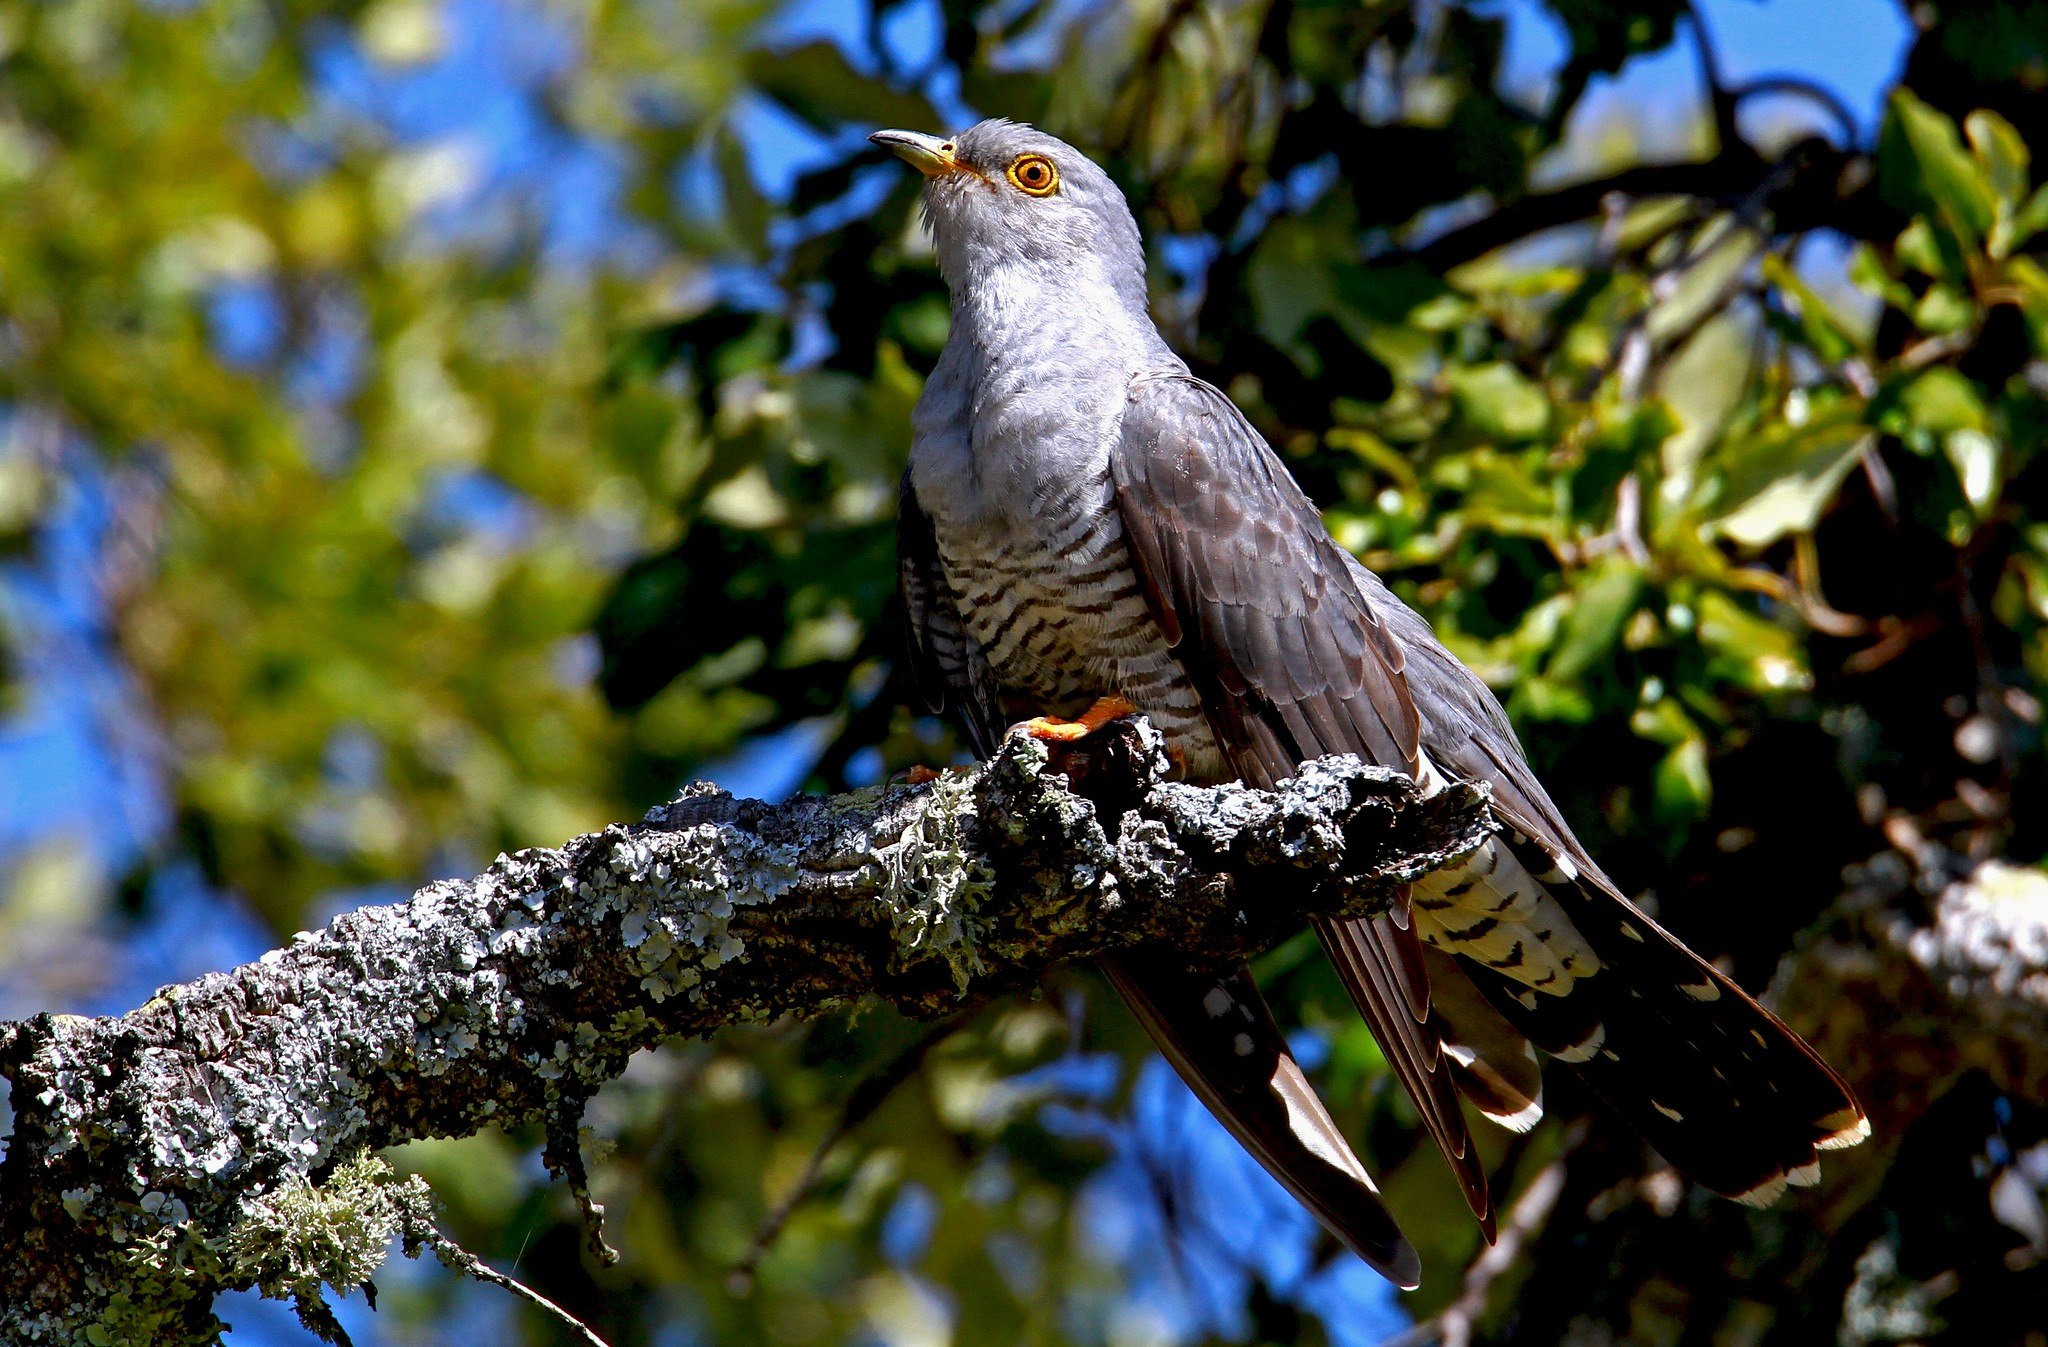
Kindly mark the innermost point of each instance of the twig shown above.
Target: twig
(1740, 172)
(1628, 519)
(563, 1155)
(1934, 350)
(1896, 637)
(1528, 215)
(873, 1091)
(1722, 103)
(1803, 88)
(1453, 1325)
(458, 1259)
(1641, 348)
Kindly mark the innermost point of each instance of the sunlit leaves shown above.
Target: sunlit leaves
(1656, 497)
(1780, 477)
(1928, 160)
(1496, 402)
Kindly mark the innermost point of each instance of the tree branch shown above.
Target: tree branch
(217, 1138)
(1813, 184)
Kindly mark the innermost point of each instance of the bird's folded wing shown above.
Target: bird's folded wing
(1240, 573)
(1293, 663)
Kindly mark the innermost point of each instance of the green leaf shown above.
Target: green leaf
(1704, 383)
(2001, 153)
(1543, 698)
(815, 82)
(1664, 722)
(1293, 274)
(1974, 455)
(1944, 309)
(1786, 491)
(1496, 401)
(1942, 400)
(1683, 788)
(746, 210)
(1601, 605)
(1749, 650)
(2029, 220)
(1949, 178)
(1822, 328)
(1867, 272)
(1928, 251)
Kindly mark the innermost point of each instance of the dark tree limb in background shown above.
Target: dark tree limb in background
(1812, 184)
(219, 1136)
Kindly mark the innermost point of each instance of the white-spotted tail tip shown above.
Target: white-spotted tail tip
(1519, 1121)
(1849, 1127)
(1764, 1194)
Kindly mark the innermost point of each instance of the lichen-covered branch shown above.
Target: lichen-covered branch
(1905, 1003)
(220, 1136)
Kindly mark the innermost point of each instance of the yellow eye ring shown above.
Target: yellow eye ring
(1034, 175)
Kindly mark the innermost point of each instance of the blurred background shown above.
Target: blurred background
(432, 427)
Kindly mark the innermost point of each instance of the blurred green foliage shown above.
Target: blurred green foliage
(443, 519)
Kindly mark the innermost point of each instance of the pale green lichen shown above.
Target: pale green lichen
(672, 946)
(299, 1236)
(274, 1069)
(160, 1269)
(934, 884)
(289, 1243)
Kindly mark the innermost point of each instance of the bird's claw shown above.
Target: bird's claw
(1105, 710)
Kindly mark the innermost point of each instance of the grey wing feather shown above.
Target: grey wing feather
(1259, 597)
(1294, 663)
(1466, 733)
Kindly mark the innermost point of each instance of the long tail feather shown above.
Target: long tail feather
(1220, 1036)
(1492, 1062)
(1380, 962)
(1719, 1085)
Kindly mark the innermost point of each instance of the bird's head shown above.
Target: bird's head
(1002, 193)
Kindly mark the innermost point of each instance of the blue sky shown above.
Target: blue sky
(1852, 47)
(76, 758)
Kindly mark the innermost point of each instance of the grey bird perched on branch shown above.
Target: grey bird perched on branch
(1088, 529)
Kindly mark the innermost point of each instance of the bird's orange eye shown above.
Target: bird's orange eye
(1034, 175)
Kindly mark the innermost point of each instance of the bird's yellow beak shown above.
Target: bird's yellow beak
(927, 154)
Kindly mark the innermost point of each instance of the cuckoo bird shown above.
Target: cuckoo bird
(1087, 529)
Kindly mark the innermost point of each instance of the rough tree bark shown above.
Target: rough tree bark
(222, 1136)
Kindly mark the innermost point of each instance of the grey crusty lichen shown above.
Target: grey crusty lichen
(223, 1135)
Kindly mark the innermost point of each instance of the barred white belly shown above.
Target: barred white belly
(1062, 620)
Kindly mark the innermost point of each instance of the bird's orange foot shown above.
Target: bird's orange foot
(921, 775)
(1105, 710)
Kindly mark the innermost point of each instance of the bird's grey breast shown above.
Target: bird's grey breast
(1016, 480)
